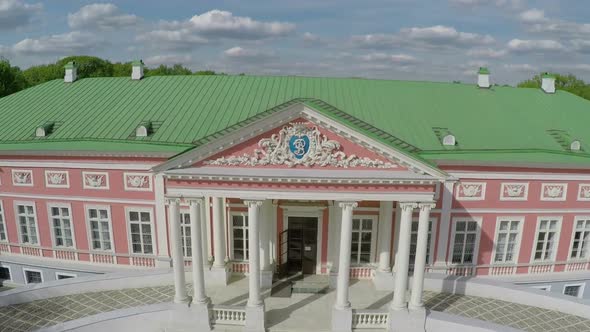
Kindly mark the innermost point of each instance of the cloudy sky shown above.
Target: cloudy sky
(440, 40)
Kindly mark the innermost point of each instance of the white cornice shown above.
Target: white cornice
(78, 198)
(311, 180)
(519, 176)
(79, 165)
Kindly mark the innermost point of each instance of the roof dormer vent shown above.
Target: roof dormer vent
(45, 129)
(483, 78)
(71, 72)
(137, 70)
(575, 145)
(144, 129)
(449, 140)
(548, 82)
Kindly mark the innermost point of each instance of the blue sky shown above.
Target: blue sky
(441, 40)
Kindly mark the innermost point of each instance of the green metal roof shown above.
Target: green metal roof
(188, 110)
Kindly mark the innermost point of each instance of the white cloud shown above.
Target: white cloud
(248, 55)
(487, 53)
(533, 16)
(101, 16)
(537, 22)
(16, 13)
(62, 44)
(498, 3)
(403, 59)
(311, 39)
(534, 46)
(521, 67)
(581, 45)
(168, 59)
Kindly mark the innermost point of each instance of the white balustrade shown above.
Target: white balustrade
(69, 255)
(31, 251)
(541, 268)
(463, 271)
(4, 247)
(369, 319)
(502, 270)
(228, 315)
(143, 261)
(361, 272)
(103, 258)
(576, 266)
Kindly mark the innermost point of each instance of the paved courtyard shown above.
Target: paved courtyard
(298, 312)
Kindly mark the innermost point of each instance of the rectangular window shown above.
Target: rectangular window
(464, 241)
(33, 277)
(581, 239)
(140, 229)
(576, 290)
(3, 236)
(100, 228)
(185, 232)
(27, 223)
(5, 273)
(414, 241)
(240, 236)
(61, 224)
(547, 238)
(362, 240)
(506, 244)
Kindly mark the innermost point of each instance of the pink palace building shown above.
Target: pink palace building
(274, 176)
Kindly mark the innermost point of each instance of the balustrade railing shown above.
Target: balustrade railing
(501, 270)
(576, 266)
(70, 255)
(541, 268)
(144, 261)
(228, 315)
(103, 258)
(361, 272)
(30, 251)
(4, 247)
(369, 319)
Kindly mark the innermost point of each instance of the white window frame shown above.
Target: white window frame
(50, 185)
(508, 198)
(557, 236)
(89, 228)
(188, 253)
(476, 198)
(9, 272)
(50, 221)
(106, 180)
(127, 188)
(580, 292)
(140, 209)
(373, 249)
(3, 222)
(569, 253)
(499, 220)
(546, 288)
(71, 275)
(25, 269)
(580, 197)
(22, 184)
(244, 214)
(478, 220)
(432, 220)
(16, 219)
(559, 199)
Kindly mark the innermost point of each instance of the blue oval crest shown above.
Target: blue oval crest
(299, 146)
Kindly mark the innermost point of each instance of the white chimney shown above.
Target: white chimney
(71, 72)
(137, 70)
(548, 83)
(483, 78)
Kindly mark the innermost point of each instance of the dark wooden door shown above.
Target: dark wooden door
(302, 244)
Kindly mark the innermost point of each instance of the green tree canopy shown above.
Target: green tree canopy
(11, 78)
(567, 82)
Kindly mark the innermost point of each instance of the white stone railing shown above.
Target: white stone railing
(502, 270)
(228, 315)
(239, 267)
(31, 251)
(4, 247)
(461, 270)
(143, 261)
(70, 255)
(103, 258)
(576, 266)
(361, 272)
(369, 319)
(541, 268)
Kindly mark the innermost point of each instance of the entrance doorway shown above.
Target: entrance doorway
(302, 245)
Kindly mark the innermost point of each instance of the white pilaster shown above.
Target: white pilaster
(342, 312)
(385, 223)
(420, 262)
(201, 302)
(219, 272)
(255, 304)
(403, 257)
(398, 218)
(204, 206)
(163, 259)
(335, 217)
(265, 251)
(180, 295)
(444, 227)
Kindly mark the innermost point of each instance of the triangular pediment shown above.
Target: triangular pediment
(299, 137)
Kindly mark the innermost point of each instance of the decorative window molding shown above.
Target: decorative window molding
(61, 225)
(95, 180)
(507, 240)
(63, 275)
(32, 276)
(22, 177)
(26, 221)
(576, 289)
(465, 240)
(140, 230)
(470, 191)
(546, 239)
(3, 229)
(584, 192)
(138, 181)
(100, 228)
(580, 240)
(554, 191)
(57, 179)
(514, 191)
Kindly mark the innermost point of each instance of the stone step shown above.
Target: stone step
(311, 287)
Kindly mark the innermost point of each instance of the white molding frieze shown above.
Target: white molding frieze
(57, 179)
(470, 191)
(514, 191)
(22, 177)
(138, 181)
(297, 144)
(301, 180)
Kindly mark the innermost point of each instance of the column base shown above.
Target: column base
(255, 319)
(439, 268)
(407, 320)
(218, 276)
(185, 318)
(383, 280)
(342, 319)
(163, 262)
(333, 279)
(266, 279)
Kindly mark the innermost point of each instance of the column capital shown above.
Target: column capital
(408, 206)
(253, 203)
(426, 206)
(350, 205)
(194, 200)
(172, 200)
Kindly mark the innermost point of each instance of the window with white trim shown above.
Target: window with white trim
(33, 277)
(140, 230)
(547, 239)
(99, 220)
(27, 223)
(362, 239)
(240, 236)
(185, 233)
(3, 236)
(414, 241)
(576, 290)
(506, 244)
(5, 273)
(581, 239)
(61, 225)
(464, 242)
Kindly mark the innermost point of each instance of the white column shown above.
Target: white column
(385, 221)
(254, 299)
(162, 230)
(180, 295)
(219, 233)
(403, 257)
(334, 236)
(264, 222)
(197, 253)
(420, 263)
(344, 259)
(444, 226)
(396, 223)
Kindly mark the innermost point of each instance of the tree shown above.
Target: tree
(164, 70)
(567, 82)
(11, 78)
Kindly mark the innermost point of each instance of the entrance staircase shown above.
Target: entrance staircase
(301, 284)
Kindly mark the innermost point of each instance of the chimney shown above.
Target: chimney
(71, 72)
(548, 83)
(137, 70)
(483, 78)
